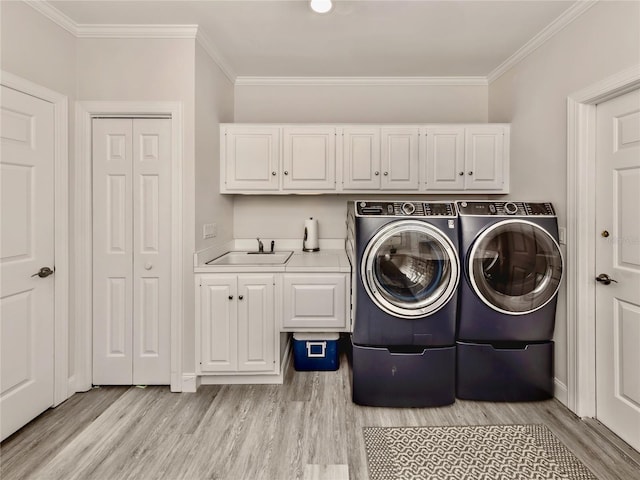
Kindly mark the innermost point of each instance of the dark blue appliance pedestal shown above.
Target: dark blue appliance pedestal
(504, 372)
(397, 378)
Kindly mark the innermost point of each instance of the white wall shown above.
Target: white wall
(40, 51)
(283, 217)
(152, 70)
(532, 97)
(214, 104)
(361, 103)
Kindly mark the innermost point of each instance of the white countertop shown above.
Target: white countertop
(328, 260)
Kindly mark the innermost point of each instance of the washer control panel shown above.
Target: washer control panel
(375, 208)
(506, 209)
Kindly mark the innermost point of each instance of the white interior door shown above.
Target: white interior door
(131, 251)
(27, 245)
(618, 257)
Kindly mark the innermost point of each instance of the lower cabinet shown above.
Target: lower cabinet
(236, 323)
(316, 301)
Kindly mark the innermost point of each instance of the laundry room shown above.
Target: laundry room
(321, 237)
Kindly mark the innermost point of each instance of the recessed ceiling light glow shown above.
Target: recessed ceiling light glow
(321, 6)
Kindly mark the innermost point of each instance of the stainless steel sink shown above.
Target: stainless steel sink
(251, 258)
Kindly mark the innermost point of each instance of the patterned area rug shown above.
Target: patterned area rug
(491, 452)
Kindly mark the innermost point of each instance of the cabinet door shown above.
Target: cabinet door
(361, 158)
(484, 152)
(218, 324)
(400, 158)
(256, 323)
(309, 159)
(250, 158)
(444, 158)
(315, 301)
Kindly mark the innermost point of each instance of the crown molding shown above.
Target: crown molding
(215, 55)
(136, 31)
(360, 81)
(568, 16)
(194, 32)
(53, 14)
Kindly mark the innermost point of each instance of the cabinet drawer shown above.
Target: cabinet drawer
(315, 301)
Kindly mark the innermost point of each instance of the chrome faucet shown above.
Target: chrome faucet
(260, 245)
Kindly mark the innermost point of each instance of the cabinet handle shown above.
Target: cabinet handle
(377, 173)
(240, 297)
(386, 173)
(273, 173)
(286, 173)
(470, 173)
(230, 297)
(460, 173)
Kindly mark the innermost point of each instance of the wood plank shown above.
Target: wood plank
(306, 428)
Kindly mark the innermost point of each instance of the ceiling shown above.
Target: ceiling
(383, 38)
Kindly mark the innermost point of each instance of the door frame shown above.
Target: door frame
(83, 214)
(581, 234)
(63, 384)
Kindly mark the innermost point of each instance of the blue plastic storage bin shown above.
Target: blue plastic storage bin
(315, 351)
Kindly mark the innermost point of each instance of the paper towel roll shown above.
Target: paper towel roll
(310, 240)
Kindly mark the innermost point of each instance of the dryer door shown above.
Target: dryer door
(410, 269)
(515, 267)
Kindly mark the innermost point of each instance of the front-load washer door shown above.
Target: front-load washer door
(410, 269)
(515, 267)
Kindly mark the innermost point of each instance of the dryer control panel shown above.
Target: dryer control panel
(376, 208)
(506, 209)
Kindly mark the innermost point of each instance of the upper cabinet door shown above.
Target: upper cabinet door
(361, 158)
(249, 157)
(309, 158)
(444, 162)
(485, 162)
(400, 158)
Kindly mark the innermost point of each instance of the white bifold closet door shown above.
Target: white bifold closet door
(131, 251)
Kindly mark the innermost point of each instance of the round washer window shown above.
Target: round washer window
(515, 267)
(410, 269)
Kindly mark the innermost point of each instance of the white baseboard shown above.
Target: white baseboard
(561, 392)
(190, 383)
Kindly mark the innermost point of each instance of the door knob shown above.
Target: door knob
(461, 173)
(605, 279)
(240, 297)
(377, 173)
(230, 297)
(470, 173)
(148, 266)
(44, 272)
(605, 234)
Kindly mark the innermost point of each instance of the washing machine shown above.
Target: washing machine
(406, 269)
(512, 269)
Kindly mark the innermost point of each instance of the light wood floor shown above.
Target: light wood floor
(307, 428)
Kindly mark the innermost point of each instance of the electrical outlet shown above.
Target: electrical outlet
(209, 230)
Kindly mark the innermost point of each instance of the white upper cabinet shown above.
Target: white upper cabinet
(309, 158)
(444, 158)
(466, 158)
(249, 158)
(484, 158)
(282, 159)
(361, 158)
(400, 159)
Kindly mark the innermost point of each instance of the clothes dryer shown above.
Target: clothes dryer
(405, 276)
(512, 270)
